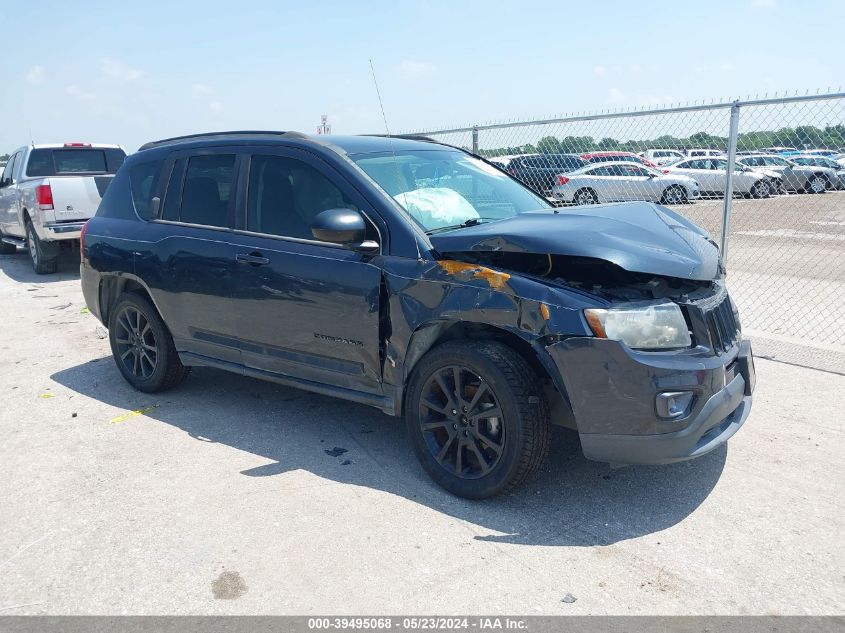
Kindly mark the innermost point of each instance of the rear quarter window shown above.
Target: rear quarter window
(144, 179)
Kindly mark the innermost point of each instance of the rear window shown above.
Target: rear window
(63, 161)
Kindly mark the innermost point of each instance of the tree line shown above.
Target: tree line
(802, 137)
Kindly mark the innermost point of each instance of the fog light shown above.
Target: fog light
(673, 404)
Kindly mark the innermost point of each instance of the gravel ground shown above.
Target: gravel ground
(220, 497)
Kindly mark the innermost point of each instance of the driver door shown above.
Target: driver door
(304, 308)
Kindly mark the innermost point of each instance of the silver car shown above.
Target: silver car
(623, 180)
(712, 176)
(828, 168)
(788, 175)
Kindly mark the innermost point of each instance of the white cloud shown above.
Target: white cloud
(78, 93)
(615, 95)
(200, 90)
(36, 75)
(726, 66)
(117, 69)
(764, 4)
(215, 106)
(417, 69)
(599, 71)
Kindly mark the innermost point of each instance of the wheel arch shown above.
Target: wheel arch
(113, 286)
(428, 336)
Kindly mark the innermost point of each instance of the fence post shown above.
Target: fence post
(475, 140)
(733, 131)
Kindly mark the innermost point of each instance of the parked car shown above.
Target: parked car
(831, 170)
(609, 157)
(538, 171)
(613, 182)
(418, 279)
(777, 150)
(47, 192)
(661, 156)
(819, 152)
(711, 174)
(788, 175)
(691, 153)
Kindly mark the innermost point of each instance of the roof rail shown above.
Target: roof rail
(407, 137)
(203, 135)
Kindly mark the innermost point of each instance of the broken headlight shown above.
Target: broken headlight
(641, 325)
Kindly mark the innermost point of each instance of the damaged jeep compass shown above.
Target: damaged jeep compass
(419, 279)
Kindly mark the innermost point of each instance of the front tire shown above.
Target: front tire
(142, 346)
(476, 418)
(674, 194)
(761, 189)
(43, 263)
(584, 197)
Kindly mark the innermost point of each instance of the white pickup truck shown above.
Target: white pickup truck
(48, 192)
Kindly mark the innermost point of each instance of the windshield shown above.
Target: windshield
(443, 189)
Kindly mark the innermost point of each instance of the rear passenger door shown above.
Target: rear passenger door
(305, 308)
(187, 259)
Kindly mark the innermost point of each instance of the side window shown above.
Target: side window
(143, 181)
(719, 164)
(691, 164)
(286, 194)
(209, 183)
(600, 171)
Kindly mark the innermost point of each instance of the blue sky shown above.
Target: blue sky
(115, 72)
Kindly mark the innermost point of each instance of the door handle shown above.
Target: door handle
(253, 259)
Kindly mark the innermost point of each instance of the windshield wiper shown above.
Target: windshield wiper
(462, 225)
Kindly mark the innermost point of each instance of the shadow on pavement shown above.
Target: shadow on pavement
(572, 501)
(18, 267)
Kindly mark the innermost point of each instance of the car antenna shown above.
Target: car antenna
(389, 137)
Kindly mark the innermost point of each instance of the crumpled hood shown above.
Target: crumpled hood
(638, 236)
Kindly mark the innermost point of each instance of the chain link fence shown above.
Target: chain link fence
(766, 177)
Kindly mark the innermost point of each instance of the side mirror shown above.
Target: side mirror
(343, 226)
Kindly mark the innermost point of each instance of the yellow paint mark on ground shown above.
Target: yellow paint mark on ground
(132, 414)
(496, 279)
(46, 396)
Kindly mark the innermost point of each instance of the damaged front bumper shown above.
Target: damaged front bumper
(616, 395)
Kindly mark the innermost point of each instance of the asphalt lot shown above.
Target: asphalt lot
(220, 498)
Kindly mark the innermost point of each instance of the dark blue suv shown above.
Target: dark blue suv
(422, 280)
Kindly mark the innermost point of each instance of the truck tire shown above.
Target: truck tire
(476, 418)
(142, 346)
(43, 261)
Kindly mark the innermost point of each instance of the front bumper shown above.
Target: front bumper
(613, 390)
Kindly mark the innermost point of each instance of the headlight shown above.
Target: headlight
(641, 325)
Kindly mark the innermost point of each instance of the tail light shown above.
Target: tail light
(82, 242)
(562, 180)
(44, 197)
(665, 171)
(76, 144)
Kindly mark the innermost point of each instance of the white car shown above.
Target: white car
(660, 156)
(623, 180)
(707, 153)
(712, 175)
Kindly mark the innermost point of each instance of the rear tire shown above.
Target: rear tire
(674, 194)
(585, 196)
(476, 418)
(816, 184)
(142, 346)
(43, 263)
